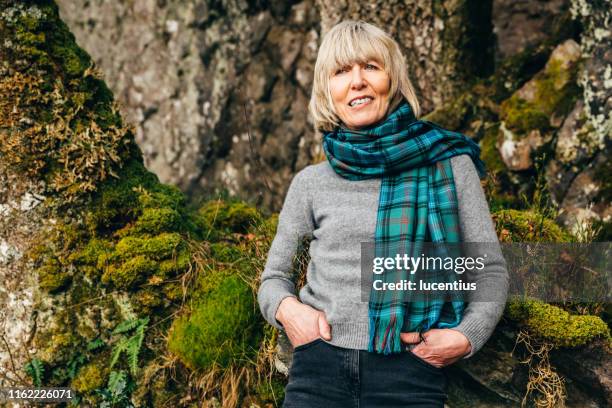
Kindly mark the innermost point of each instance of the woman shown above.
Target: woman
(389, 178)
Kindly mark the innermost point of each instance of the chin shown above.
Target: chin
(363, 123)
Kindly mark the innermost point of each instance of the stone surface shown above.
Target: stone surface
(20, 217)
(537, 20)
(185, 74)
(580, 204)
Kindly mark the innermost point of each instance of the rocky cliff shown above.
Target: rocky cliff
(113, 285)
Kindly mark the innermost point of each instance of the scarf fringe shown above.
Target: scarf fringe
(385, 336)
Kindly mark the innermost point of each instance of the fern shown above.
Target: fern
(117, 350)
(127, 325)
(118, 390)
(74, 363)
(95, 344)
(131, 345)
(36, 370)
(117, 382)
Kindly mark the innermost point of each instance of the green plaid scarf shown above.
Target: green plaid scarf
(417, 204)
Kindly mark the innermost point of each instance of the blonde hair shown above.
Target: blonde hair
(357, 41)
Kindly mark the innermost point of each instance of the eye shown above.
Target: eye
(341, 70)
(371, 66)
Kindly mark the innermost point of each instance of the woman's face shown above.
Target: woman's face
(366, 83)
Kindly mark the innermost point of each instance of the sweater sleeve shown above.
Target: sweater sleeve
(492, 281)
(294, 222)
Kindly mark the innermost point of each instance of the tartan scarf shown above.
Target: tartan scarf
(417, 203)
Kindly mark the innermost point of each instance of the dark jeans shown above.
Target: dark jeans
(326, 376)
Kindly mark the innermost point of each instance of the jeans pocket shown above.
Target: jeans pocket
(306, 345)
(423, 362)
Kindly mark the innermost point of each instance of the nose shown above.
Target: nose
(357, 81)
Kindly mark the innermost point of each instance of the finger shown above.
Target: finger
(410, 337)
(417, 349)
(324, 327)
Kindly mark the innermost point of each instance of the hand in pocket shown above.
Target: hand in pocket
(303, 323)
(440, 348)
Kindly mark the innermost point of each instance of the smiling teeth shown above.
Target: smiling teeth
(360, 101)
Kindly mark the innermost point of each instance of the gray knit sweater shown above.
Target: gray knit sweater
(338, 214)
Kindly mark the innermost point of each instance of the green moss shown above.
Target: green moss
(146, 300)
(228, 216)
(56, 345)
(156, 220)
(527, 226)
(49, 84)
(554, 324)
(173, 291)
(556, 93)
(159, 247)
(271, 391)
(66, 131)
(557, 90)
(89, 378)
(73, 59)
(225, 252)
(171, 267)
(89, 255)
(116, 201)
(268, 227)
(131, 273)
(222, 329)
(489, 153)
(164, 196)
(521, 116)
(52, 276)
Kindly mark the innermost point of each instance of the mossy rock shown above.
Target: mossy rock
(489, 153)
(156, 220)
(173, 291)
(223, 329)
(527, 226)
(159, 247)
(146, 300)
(174, 266)
(131, 273)
(553, 324)
(556, 93)
(163, 196)
(117, 201)
(90, 377)
(521, 116)
(53, 276)
(52, 79)
(227, 217)
(91, 252)
(454, 114)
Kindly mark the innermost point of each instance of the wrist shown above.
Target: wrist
(468, 345)
(284, 305)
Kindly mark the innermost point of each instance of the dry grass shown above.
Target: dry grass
(545, 386)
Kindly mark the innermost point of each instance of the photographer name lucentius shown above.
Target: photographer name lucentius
(405, 284)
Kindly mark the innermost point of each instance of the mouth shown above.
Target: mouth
(360, 102)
